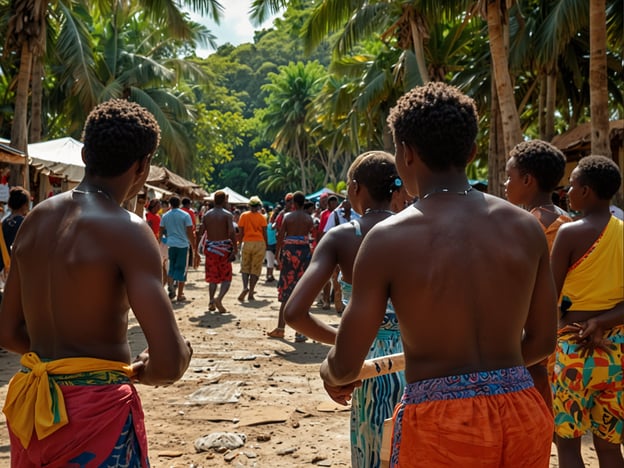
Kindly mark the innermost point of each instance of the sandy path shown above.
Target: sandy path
(277, 399)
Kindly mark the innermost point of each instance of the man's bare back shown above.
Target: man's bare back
(297, 223)
(462, 308)
(217, 224)
(75, 300)
(81, 261)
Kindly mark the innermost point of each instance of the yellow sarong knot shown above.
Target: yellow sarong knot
(40, 369)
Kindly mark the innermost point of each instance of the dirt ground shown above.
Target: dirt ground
(240, 381)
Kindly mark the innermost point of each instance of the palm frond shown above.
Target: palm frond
(75, 50)
(262, 10)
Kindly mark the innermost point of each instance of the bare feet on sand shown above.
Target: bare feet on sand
(217, 302)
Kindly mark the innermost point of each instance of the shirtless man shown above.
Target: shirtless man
(219, 247)
(587, 261)
(534, 170)
(293, 257)
(80, 262)
(467, 273)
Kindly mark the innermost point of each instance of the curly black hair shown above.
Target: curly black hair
(377, 172)
(601, 174)
(542, 160)
(18, 197)
(116, 134)
(439, 122)
(299, 199)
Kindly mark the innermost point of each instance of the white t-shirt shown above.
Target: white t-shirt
(331, 221)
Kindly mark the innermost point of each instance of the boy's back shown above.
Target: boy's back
(470, 281)
(461, 283)
(85, 256)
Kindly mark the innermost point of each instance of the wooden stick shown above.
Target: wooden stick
(382, 365)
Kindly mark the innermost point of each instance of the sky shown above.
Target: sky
(235, 26)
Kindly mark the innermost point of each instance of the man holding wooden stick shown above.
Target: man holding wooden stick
(471, 284)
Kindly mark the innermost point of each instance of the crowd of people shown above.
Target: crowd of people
(508, 314)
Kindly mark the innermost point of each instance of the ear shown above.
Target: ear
(144, 165)
(408, 155)
(82, 155)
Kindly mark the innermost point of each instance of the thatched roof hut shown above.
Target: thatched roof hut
(576, 143)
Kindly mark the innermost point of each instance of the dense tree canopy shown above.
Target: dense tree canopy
(294, 107)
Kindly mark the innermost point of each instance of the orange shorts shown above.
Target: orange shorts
(489, 419)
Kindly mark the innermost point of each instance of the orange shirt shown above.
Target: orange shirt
(253, 224)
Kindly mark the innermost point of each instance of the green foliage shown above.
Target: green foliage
(217, 134)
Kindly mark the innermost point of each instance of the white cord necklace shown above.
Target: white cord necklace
(100, 191)
(445, 190)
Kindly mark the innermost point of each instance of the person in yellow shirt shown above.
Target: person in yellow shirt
(587, 263)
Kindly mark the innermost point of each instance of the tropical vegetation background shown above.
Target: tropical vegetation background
(292, 109)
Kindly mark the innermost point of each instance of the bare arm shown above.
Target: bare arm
(169, 353)
(361, 319)
(297, 310)
(232, 236)
(13, 333)
(190, 233)
(281, 233)
(540, 329)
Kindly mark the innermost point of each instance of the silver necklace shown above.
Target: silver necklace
(369, 211)
(100, 191)
(445, 190)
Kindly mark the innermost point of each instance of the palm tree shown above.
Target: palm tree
(27, 35)
(135, 58)
(288, 115)
(598, 77)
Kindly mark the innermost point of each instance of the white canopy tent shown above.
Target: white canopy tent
(234, 198)
(61, 156)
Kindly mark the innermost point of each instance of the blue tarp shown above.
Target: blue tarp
(317, 195)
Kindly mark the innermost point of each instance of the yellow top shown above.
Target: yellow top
(596, 280)
(35, 400)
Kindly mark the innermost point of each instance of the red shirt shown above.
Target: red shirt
(153, 221)
(191, 214)
(324, 217)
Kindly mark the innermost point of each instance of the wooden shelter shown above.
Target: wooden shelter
(164, 178)
(576, 143)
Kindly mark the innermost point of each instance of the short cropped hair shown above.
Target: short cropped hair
(186, 201)
(299, 198)
(153, 203)
(219, 197)
(118, 133)
(540, 159)
(174, 202)
(376, 171)
(600, 174)
(439, 122)
(18, 197)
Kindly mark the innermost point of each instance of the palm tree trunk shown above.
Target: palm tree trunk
(300, 157)
(19, 130)
(512, 131)
(496, 148)
(36, 100)
(551, 100)
(419, 51)
(541, 100)
(598, 78)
